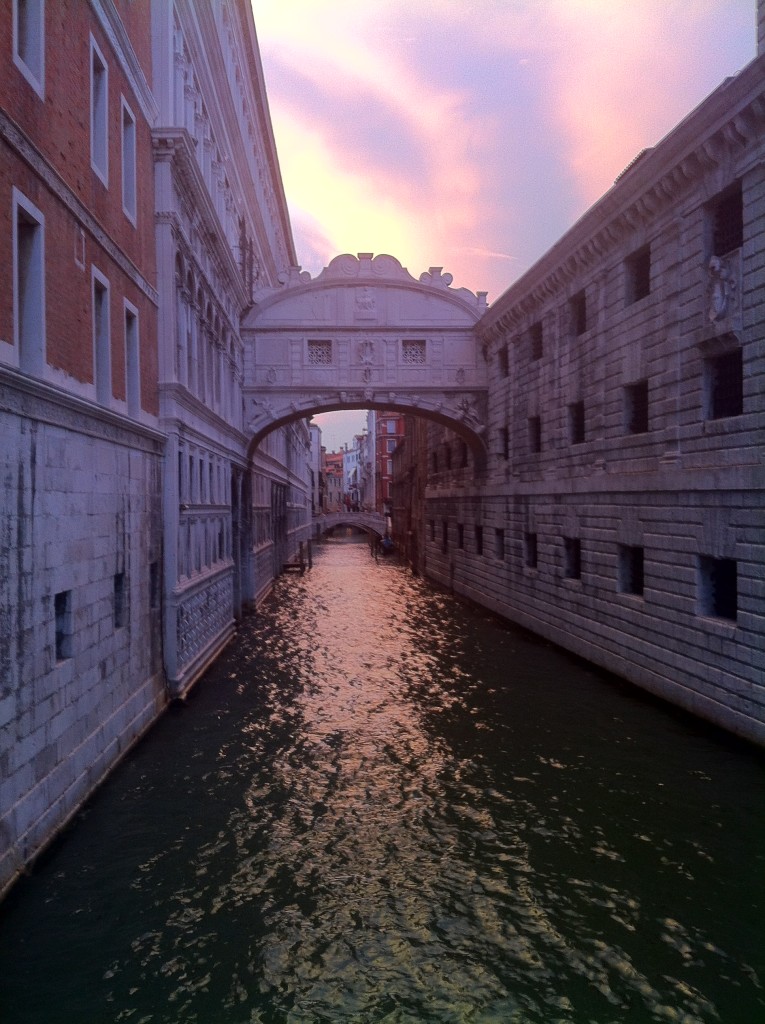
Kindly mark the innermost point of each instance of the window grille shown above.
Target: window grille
(319, 353)
(413, 353)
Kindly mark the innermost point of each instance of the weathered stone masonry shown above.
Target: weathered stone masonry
(621, 514)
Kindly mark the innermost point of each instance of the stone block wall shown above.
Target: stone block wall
(80, 638)
(621, 513)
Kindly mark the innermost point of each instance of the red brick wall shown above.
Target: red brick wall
(59, 127)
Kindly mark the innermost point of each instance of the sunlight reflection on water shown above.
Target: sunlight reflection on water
(386, 807)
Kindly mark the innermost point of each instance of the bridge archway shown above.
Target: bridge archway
(365, 334)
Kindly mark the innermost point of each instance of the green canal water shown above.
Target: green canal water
(384, 806)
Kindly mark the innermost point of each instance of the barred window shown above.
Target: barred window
(631, 558)
(319, 353)
(639, 275)
(724, 385)
(728, 222)
(413, 353)
(636, 407)
(718, 587)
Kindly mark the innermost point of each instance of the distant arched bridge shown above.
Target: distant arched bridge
(371, 522)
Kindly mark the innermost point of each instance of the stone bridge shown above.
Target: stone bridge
(365, 334)
(372, 522)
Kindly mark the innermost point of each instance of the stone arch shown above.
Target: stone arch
(365, 334)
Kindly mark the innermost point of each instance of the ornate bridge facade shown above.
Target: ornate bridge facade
(365, 334)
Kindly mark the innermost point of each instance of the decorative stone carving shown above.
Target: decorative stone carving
(468, 413)
(721, 288)
(365, 304)
(366, 352)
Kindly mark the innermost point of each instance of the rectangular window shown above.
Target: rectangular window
(413, 353)
(99, 113)
(389, 467)
(432, 528)
(638, 275)
(718, 587)
(62, 605)
(636, 407)
(29, 42)
(535, 341)
(503, 362)
(390, 426)
(499, 544)
(631, 569)
(479, 540)
(572, 558)
(154, 588)
(444, 536)
(390, 445)
(319, 353)
(576, 422)
(530, 552)
(29, 284)
(463, 455)
(102, 359)
(129, 190)
(724, 385)
(504, 443)
(535, 434)
(132, 360)
(727, 217)
(578, 311)
(460, 536)
(120, 601)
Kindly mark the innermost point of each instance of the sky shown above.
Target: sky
(471, 134)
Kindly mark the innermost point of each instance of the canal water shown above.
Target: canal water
(384, 806)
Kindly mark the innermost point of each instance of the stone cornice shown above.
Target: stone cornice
(28, 396)
(732, 119)
(28, 152)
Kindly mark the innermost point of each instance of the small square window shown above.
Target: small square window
(727, 217)
(536, 343)
(638, 267)
(62, 605)
(479, 540)
(576, 423)
(724, 385)
(718, 587)
(535, 434)
(572, 558)
(530, 551)
(578, 310)
(631, 569)
(636, 407)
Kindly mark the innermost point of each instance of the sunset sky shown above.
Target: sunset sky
(471, 134)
